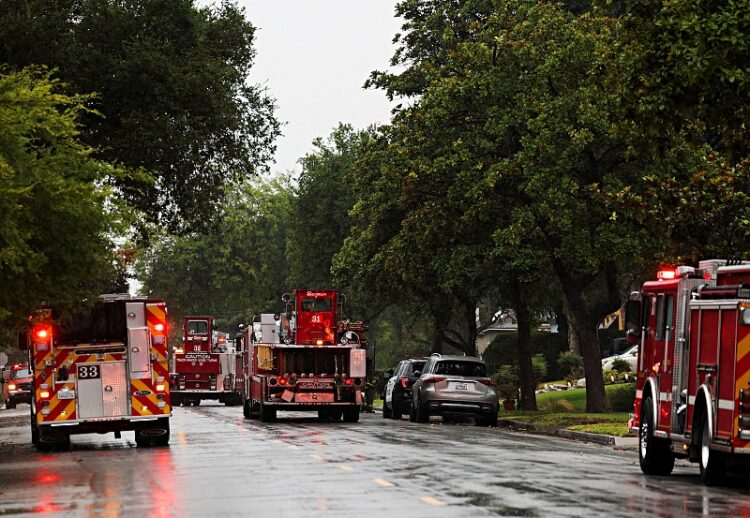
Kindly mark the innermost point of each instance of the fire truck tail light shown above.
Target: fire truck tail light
(159, 328)
(666, 274)
(44, 394)
(319, 342)
(348, 381)
(160, 387)
(282, 381)
(12, 386)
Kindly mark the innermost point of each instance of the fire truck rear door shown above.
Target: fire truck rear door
(102, 390)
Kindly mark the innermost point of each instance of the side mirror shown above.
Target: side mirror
(387, 375)
(632, 336)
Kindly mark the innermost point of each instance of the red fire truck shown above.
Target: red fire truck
(100, 370)
(305, 359)
(204, 367)
(693, 384)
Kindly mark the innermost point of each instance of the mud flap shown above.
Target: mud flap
(287, 396)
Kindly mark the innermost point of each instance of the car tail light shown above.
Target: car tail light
(404, 382)
(434, 379)
(488, 382)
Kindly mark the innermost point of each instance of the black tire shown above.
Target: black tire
(711, 461)
(413, 412)
(423, 413)
(196, 402)
(247, 409)
(654, 454)
(351, 414)
(267, 413)
(396, 406)
(490, 420)
(10, 404)
(155, 435)
(55, 442)
(386, 410)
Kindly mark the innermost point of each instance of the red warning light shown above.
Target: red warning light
(41, 333)
(666, 275)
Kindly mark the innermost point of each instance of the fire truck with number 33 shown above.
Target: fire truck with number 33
(693, 382)
(100, 370)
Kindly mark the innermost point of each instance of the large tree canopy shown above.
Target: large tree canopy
(172, 96)
(56, 216)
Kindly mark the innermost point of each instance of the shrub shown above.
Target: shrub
(539, 368)
(559, 405)
(620, 365)
(571, 364)
(621, 399)
(507, 381)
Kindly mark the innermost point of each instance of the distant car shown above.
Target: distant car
(397, 394)
(630, 356)
(455, 385)
(17, 385)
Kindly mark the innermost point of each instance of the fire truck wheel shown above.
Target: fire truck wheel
(351, 414)
(386, 410)
(10, 404)
(267, 414)
(654, 454)
(156, 435)
(247, 410)
(711, 461)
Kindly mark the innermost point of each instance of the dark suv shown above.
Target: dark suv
(455, 385)
(397, 397)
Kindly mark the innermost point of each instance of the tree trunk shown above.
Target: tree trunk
(526, 371)
(585, 325)
(470, 314)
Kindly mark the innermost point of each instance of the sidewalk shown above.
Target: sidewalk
(609, 440)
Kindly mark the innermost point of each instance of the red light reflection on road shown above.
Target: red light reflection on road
(164, 490)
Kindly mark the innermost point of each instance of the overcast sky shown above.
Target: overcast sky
(314, 56)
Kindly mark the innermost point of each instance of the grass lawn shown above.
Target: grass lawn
(574, 417)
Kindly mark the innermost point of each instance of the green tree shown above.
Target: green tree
(233, 273)
(172, 91)
(680, 71)
(57, 216)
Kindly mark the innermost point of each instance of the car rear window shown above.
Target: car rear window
(417, 366)
(461, 368)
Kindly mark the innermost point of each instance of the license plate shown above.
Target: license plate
(461, 386)
(66, 394)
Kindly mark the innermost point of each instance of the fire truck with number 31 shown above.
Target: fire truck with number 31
(305, 359)
(100, 370)
(693, 381)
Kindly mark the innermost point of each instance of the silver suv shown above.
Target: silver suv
(451, 385)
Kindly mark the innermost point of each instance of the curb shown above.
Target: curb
(607, 440)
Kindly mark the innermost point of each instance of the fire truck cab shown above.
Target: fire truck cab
(693, 380)
(305, 359)
(102, 369)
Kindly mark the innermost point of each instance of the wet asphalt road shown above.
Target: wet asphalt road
(219, 464)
